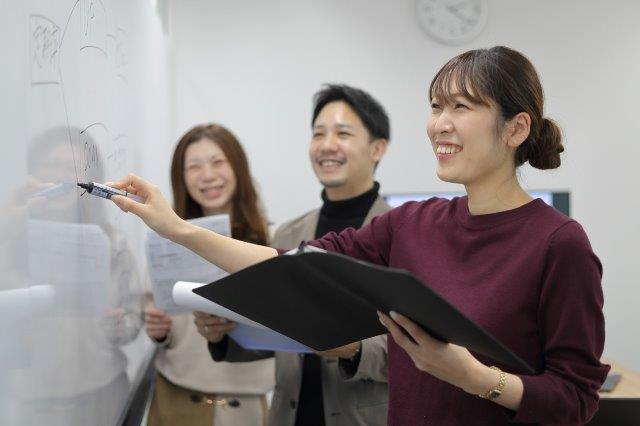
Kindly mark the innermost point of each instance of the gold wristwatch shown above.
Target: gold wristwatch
(497, 391)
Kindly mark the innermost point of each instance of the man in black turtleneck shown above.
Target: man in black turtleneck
(345, 386)
(335, 216)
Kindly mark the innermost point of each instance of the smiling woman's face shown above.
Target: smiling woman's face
(209, 178)
(465, 138)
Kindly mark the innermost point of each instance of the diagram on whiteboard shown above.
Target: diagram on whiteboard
(78, 70)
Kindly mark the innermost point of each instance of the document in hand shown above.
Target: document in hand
(327, 300)
(248, 334)
(169, 262)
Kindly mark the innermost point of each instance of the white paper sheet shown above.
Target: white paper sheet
(248, 333)
(25, 303)
(73, 258)
(169, 262)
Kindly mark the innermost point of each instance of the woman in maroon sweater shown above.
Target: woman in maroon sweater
(514, 265)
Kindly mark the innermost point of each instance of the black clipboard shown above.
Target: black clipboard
(327, 300)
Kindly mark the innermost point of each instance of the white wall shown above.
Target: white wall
(253, 65)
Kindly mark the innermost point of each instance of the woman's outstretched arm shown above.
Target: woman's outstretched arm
(224, 252)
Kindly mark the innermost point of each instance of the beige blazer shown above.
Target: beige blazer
(350, 398)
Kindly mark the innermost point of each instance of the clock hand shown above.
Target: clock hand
(458, 6)
(455, 12)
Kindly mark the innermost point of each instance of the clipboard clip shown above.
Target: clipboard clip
(306, 248)
(301, 247)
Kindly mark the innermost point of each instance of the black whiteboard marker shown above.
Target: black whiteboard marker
(107, 192)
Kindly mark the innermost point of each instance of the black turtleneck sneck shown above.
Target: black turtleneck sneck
(334, 216)
(337, 216)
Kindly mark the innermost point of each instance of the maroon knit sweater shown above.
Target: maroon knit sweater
(528, 276)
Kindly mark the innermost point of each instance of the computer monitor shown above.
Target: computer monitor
(557, 199)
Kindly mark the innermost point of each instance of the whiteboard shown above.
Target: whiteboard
(75, 102)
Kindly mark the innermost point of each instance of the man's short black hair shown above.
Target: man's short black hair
(371, 113)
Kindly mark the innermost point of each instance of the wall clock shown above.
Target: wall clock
(452, 21)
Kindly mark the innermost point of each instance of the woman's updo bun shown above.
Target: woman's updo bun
(542, 151)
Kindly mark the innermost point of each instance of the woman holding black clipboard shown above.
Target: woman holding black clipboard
(517, 267)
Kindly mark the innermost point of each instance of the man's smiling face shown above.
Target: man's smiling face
(341, 151)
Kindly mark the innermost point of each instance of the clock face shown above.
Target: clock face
(452, 21)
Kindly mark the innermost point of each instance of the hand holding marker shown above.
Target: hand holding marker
(155, 211)
(107, 192)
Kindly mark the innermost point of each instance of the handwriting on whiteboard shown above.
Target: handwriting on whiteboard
(94, 26)
(44, 46)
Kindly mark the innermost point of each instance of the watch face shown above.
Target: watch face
(493, 394)
(452, 21)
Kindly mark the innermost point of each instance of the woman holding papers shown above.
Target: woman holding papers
(517, 267)
(209, 175)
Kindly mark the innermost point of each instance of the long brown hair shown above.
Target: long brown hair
(506, 78)
(247, 221)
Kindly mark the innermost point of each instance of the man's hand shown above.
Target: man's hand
(346, 351)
